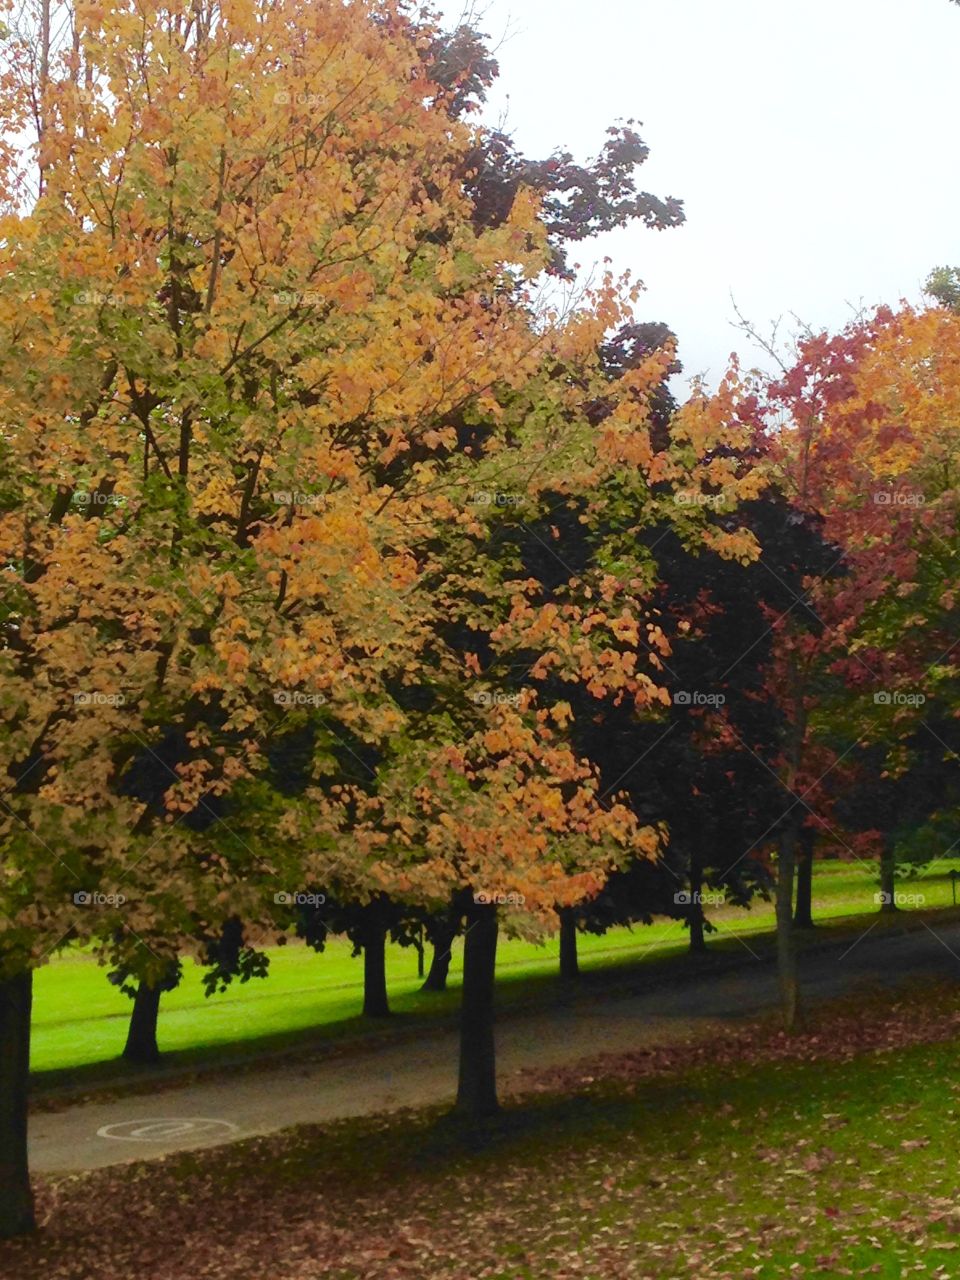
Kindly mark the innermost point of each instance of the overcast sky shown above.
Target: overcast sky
(814, 145)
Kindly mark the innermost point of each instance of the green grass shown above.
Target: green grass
(80, 1019)
(771, 1170)
(785, 1169)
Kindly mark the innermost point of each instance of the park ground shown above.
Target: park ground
(722, 1149)
(751, 1155)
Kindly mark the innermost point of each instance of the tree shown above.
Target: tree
(943, 285)
(16, 1213)
(904, 767)
(862, 449)
(803, 906)
(286, 348)
(512, 817)
(579, 200)
(442, 930)
(141, 1046)
(368, 923)
(220, 456)
(691, 538)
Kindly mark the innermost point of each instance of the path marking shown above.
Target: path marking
(166, 1130)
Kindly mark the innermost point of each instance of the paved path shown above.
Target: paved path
(225, 1107)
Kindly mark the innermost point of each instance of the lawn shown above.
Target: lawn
(761, 1157)
(80, 1019)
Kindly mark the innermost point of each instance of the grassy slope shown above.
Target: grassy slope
(846, 1169)
(750, 1166)
(80, 1019)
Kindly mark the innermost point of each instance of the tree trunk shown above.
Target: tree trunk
(141, 1046)
(888, 879)
(440, 963)
(788, 841)
(375, 1002)
(786, 937)
(569, 961)
(477, 1088)
(16, 1198)
(698, 940)
(43, 90)
(803, 912)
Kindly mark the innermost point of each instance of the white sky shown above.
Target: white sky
(814, 143)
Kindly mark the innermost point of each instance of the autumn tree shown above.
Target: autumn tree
(238, 320)
(907, 383)
(859, 420)
(683, 522)
(508, 814)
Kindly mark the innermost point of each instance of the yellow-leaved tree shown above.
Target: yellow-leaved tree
(246, 312)
(240, 292)
(258, 356)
